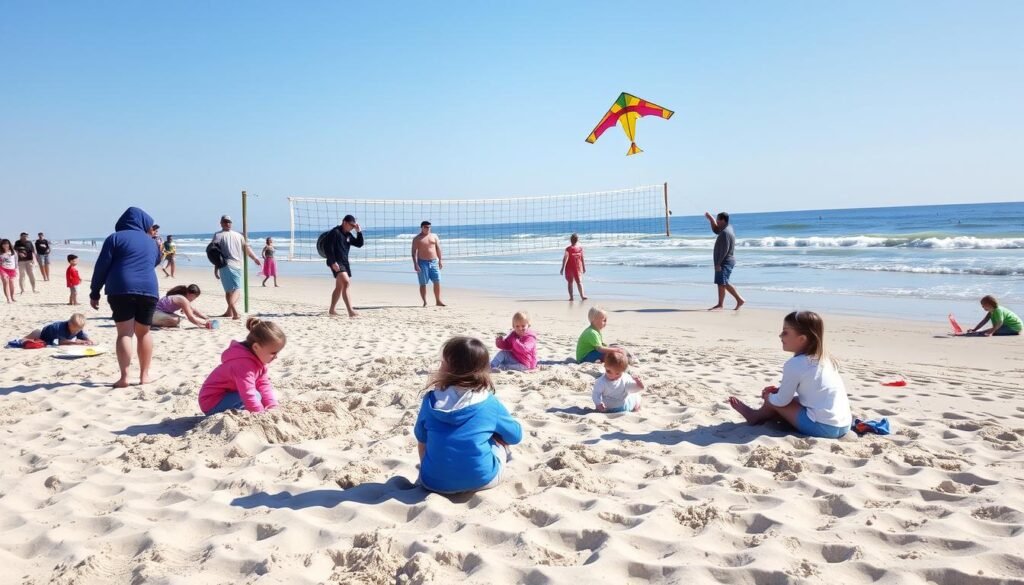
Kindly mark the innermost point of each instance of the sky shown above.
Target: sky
(178, 106)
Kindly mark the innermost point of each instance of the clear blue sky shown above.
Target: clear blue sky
(177, 106)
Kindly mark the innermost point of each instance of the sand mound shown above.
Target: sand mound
(292, 422)
(774, 459)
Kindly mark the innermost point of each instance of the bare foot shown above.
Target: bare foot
(145, 379)
(332, 313)
(353, 314)
(424, 303)
(748, 413)
(236, 317)
(121, 383)
(583, 298)
(716, 308)
(739, 304)
(440, 304)
(226, 314)
(571, 299)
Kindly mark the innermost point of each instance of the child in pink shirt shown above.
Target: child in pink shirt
(241, 380)
(519, 348)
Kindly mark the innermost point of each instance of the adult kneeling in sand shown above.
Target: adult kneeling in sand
(336, 247)
(179, 298)
(126, 267)
(234, 249)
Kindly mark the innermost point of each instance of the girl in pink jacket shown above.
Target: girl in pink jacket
(518, 348)
(241, 380)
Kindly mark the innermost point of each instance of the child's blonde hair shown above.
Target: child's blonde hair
(521, 316)
(595, 312)
(617, 360)
(465, 364)
(78, 320)
(263, 332)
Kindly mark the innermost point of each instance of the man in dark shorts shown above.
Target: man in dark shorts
(724, 260)
(43, 256)
(339, 241)
(26, 260)
(125, 268)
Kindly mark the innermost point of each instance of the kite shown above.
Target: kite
(626, 109)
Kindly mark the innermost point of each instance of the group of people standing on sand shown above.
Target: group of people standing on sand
(18, 259)
(427, 261)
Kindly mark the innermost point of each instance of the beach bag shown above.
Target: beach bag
(215, 256)
(321, 243)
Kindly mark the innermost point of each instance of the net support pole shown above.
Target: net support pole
(245, 255)
(668, 229)
(291, 222)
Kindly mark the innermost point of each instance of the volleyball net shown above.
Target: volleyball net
(482, 227)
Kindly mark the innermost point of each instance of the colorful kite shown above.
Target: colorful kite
(625, 111)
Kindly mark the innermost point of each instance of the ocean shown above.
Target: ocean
(919, 262)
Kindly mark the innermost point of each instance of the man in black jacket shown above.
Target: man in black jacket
(339, 240)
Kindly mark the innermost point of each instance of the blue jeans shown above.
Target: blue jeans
(1005, 330)
(230, 401)
(504, 360)
(806, 426)
(593, 356)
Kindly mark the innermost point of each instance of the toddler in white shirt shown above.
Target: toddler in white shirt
(616, 390)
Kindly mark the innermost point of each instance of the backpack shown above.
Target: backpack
(321, 243)
(215, 256)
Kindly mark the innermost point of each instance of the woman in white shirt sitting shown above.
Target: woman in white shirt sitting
(811, 396)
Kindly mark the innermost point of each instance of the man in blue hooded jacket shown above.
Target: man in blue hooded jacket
(126, 267)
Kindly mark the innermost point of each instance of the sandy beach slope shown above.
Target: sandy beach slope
(102, 486)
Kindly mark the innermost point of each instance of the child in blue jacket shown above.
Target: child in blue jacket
(462, 428)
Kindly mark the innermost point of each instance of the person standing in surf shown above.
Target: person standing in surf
(339, 241)
(725, 245)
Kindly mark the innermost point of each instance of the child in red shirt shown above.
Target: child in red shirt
(73, 279)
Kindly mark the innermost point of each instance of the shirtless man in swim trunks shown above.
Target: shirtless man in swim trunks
(426, 261)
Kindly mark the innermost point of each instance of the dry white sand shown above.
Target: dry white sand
(104, 486)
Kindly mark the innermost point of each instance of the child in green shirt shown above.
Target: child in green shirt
(1004, 321)
(590, 347)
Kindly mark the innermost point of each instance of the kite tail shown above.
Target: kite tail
(633, 149)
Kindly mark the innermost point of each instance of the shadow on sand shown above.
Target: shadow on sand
(397, 488)
(659, 311)
(51, 386)
(172, 427)
(726, 432)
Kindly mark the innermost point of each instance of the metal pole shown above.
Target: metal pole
(668, 230)
(245, 255)
(291, 223)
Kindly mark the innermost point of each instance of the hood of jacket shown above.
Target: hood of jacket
(458, 414)
(238, 351)
(134, 219)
